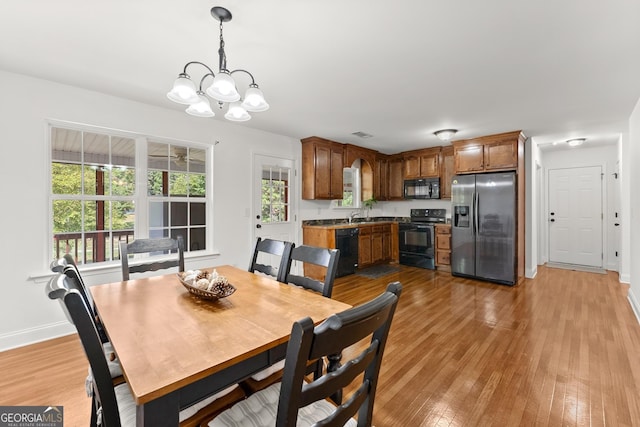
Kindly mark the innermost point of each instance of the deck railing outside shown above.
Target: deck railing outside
(92, 247)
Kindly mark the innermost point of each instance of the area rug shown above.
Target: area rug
(377, 271)
(576, 267)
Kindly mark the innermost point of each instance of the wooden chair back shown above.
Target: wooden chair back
(151, 246)
(323, 257)
(277, 248)
(328, 339)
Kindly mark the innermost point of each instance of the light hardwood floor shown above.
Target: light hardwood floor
(562, 349)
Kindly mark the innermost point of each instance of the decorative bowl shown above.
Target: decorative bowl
(220, 289)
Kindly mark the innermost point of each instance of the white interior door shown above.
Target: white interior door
(575, 216)
(273, 201)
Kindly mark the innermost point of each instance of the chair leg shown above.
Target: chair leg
(94, 412)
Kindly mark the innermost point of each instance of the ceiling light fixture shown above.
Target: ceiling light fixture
(445, 134)
(576, 141)
(223, 88)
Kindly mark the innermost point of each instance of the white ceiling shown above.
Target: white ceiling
(398, 71)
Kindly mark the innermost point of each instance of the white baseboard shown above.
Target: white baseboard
(624, 278)
(33, 335)
(634, 304)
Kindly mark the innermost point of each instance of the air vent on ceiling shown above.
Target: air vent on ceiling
(362, 134)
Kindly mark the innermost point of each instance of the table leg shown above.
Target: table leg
(163, 411)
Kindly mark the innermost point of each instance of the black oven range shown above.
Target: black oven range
(417, 238)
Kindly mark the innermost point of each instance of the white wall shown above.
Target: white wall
(26, 314)
(633, 145)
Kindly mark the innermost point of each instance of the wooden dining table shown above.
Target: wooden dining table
(176, 349)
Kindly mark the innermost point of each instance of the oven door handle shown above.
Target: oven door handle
(423, 227)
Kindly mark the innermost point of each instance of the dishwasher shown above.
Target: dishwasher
(347, 243)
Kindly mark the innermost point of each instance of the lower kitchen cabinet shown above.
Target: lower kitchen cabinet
(375, 244)
(364, 247)
(443, 247)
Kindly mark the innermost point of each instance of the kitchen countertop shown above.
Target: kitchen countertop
(344, 223)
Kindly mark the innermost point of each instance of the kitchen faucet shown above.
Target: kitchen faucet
(353, 215)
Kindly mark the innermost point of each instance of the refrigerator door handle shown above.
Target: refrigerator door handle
(476, 203)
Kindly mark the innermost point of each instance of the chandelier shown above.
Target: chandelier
(222, 89)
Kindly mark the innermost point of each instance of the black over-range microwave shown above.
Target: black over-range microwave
(426, 188)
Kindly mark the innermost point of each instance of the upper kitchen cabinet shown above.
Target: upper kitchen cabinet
(488, 153)
(353, 153)
(447, 171)
(365, 160)
(322, 164)
(381, 177)
(396, 177)
(422, 163)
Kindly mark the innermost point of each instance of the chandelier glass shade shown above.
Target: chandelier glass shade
(222, 87)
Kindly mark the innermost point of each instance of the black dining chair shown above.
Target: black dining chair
(152, 246)
(67, 265)
(323, 258)
(297, 401)
(270, 247)
(113, 405)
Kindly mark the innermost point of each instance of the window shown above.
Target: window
(350, 189)
(176, 188)
(99, 196)
(275, 194)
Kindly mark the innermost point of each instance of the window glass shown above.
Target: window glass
(178, 187)
(275, 194)
(94, 193)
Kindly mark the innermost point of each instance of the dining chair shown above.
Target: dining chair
(67, 266)
(151, 246)
(326, 259)
(295, 400)
(276, 248)
(113, 405)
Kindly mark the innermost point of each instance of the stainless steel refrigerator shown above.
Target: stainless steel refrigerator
(483, 229)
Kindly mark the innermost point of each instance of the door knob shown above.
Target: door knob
(616, 224)
(258, 226)
(553, 220)
(553, 213)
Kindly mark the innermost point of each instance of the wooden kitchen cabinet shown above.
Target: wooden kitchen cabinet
(353, 153)
(364, 246)
(396, 178)
(488, 153)
(422, 163)
(381, 177)
(443, 246)
(387, 242)
(447, 171)
(322, 164)
(374, 244)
